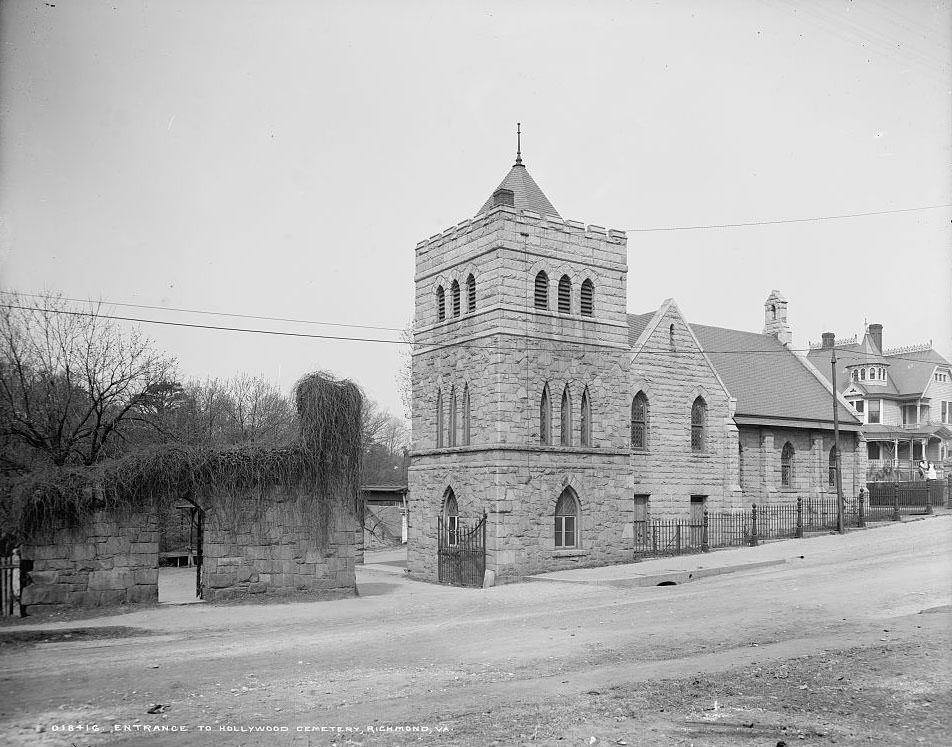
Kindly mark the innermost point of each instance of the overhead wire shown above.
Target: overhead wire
(787, 220)
(308, 335)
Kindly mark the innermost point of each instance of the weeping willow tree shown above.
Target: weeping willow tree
(316, 469)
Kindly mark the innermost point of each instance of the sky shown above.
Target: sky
(283, 159)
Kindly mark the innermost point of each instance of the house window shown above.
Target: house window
(587, 299)
(451, 433)
(858, 405)
(698, 418)
(439, 419)
(470, 294)
(872, 451)
(466, 416)
(566, 520)
(451, 518)
(545, 418)
(542, 291)
(440, 304)
(565, 295)
(566, 420)
(945, 412)
(910, 415)
(872, 413)
(832, 468)
(639, 421)
(455, 298)
(854, 375)
(862, 374)
(585, 426)
(786, 465)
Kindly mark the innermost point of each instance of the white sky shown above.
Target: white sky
(284, 158)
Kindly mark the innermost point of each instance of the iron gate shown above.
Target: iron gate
(10, 585)
(461, 552)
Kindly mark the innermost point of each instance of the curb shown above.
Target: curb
(662, 578)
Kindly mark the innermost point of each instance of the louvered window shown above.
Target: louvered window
(587, 299)
(455, 298)
(470, 294)
(440, 304)
(639, 421)
(542, 291)
(698, 418)
(565, 295)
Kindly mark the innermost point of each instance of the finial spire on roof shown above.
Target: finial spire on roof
(518, 143)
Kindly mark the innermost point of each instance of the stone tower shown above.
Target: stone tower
(520, 383)
(775, 318)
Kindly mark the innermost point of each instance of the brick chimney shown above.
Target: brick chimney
(829, 339)
(876, 336)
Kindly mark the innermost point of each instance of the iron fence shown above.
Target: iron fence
(740, 528)
(889, 500)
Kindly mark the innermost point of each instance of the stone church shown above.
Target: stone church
(541, 403)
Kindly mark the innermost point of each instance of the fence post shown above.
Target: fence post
(799, 532)
(896, 514)
(677, 538)
(860, 518)
(753, 525)
(705, 547)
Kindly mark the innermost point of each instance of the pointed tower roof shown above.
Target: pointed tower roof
(526, 194)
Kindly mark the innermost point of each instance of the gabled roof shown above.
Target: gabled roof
(637, 323)
(911, 372)
(526, 193)
(767, 379)
(908, 373)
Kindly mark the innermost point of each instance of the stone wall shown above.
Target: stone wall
(286, 549)
(112, 558)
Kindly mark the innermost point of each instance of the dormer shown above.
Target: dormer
(869, 373)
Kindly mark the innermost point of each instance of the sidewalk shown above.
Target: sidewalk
(680, 569)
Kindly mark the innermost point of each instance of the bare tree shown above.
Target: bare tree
(405, 372)
(260, 412)
(70, 381)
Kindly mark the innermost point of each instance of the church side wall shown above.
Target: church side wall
(672, 373)
(761, 449)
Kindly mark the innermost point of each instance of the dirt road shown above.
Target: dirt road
(847, 645)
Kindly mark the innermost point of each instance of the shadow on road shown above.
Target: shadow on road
(375, 589)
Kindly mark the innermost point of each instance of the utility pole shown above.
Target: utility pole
(840, 527)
